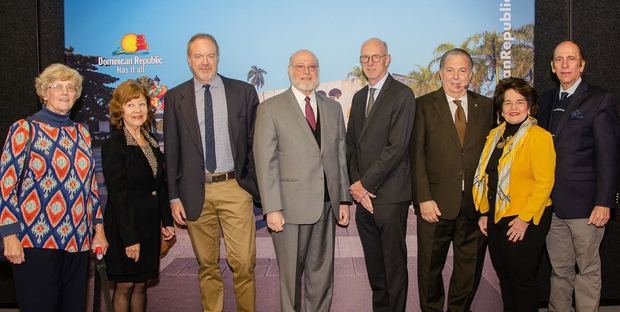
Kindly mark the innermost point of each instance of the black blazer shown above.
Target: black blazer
(377, 146)
(137, 202)
(440, 164)
(586, 145)
(183, 144)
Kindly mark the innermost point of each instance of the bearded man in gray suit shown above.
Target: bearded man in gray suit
(299, 152)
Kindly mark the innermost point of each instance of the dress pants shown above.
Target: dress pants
(469, 247)
(308, 250)
(385, 251)
(51, 280)
(228, 209)
(571, 241)
(517, 263)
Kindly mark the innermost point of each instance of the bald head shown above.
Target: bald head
(375, 60)
(568, 63)
(303, 71)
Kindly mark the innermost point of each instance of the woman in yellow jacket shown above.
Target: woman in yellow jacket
(511, 190)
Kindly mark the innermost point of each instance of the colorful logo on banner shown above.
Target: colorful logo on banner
(131, 44)
(132, 57)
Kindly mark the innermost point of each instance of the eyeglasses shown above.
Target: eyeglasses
(59, 88)
(375, 58)
(302, 68)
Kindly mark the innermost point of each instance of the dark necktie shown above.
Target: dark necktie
(310, 114)
(459, 121)
(371, 101)
(210, 162)
(563, 96)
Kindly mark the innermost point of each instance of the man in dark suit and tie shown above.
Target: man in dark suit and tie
(378, 136)
(302, 177)
(451, 126)
(584, 124)
(208, 133)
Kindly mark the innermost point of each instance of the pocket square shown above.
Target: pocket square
(577, 114)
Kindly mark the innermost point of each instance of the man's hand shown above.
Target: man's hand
(178, 212)
(482, 224)
(275, 221)
(367, 203)
(13, 250)
(517, 229)
(344, 215)
(358, 191)
(429, 211)
(133, 252)
(599, 216)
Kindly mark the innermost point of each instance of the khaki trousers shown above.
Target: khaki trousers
(571, 241)
(228, 209)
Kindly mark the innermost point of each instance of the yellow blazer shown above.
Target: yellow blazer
(531, 176)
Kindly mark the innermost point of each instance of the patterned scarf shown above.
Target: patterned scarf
(480, 188)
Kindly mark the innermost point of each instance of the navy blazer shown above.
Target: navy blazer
(183, 143)
(586, 145)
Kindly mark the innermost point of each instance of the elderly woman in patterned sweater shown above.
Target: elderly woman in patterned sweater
(49, 205)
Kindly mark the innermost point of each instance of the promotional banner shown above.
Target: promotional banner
(112, 41)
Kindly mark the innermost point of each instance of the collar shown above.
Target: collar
(131, 141)
(570, 90)
(379, 84)
(462, 98)
(300, 97)
(216, 82)
(54, 119)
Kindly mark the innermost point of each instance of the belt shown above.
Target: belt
(219, 177)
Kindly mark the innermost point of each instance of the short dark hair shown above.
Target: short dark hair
(203, 36)
(456, 51)
(518, 85)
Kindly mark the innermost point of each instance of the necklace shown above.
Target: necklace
(502, 142)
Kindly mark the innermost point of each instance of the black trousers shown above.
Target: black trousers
(51, 280)
(385, 252)
(469, 247)
(517, 263)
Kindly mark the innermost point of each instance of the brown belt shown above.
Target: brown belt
(219, 177)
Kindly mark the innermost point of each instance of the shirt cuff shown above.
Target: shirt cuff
(10, 229)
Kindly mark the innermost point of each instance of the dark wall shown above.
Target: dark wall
(594, 26)
(32, 37)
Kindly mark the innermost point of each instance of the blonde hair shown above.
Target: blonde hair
(57, 72)
(125, 92)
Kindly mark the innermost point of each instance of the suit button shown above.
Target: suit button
(202, 184)
(153, 193)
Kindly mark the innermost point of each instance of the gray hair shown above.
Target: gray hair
(203, 36)
(456, 51)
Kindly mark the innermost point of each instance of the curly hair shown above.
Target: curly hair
(56, 72)
(125, 92)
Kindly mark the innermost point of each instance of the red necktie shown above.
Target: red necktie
(310, 114)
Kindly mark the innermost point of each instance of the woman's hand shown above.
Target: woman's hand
(482, 224)
(13, 250)
(517, 229)
(133, 252)
(99, 239)
(167, 232)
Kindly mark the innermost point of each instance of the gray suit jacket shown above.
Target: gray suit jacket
(290, 164)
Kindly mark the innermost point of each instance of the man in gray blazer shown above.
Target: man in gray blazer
(302, 177)
(208, 131)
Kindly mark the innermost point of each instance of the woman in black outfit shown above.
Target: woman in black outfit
(137, 213)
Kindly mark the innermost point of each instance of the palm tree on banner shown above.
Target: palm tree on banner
(256, 76)
(425, 80)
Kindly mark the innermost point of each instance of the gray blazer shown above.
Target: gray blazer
(290, 164)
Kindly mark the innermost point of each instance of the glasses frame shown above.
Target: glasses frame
(376, 58)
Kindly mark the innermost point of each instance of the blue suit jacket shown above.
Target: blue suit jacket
(586, 145)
